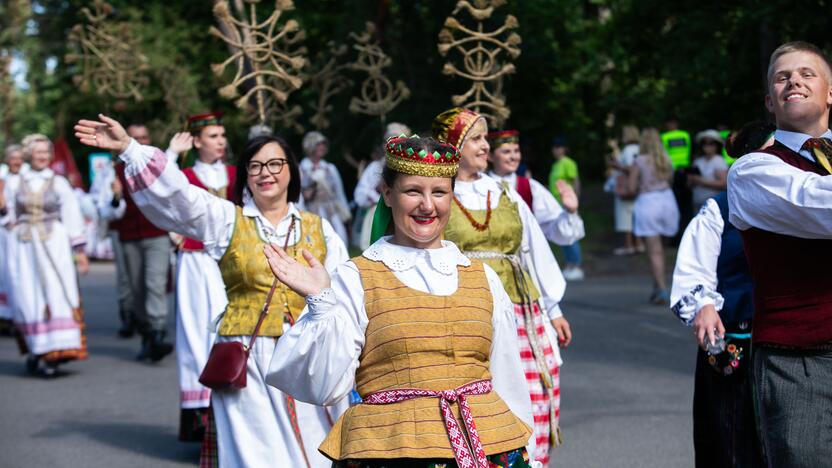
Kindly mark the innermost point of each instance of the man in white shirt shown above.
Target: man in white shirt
(781, 200)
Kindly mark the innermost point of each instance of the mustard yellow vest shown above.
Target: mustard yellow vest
(417, 340)
(504, 235)
(248, 278)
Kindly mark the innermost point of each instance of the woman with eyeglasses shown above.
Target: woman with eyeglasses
(257, 425)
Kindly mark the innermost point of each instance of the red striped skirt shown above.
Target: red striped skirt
(545, 401)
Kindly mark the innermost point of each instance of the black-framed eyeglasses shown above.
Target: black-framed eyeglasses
(274, 166)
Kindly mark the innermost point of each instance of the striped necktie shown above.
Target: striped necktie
(821, 149)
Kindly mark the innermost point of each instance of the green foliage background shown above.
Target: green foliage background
(582, 61)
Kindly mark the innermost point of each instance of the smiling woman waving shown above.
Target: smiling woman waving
(425, 335)
(258, 424)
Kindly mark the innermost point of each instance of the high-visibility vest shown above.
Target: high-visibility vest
(677, 145)
(725, 134)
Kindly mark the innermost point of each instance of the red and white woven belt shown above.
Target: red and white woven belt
(462, 446)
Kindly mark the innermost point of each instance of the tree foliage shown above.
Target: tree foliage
(587, 66)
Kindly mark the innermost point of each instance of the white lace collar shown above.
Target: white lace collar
(444, 260)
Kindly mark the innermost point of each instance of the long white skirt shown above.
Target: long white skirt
(42, 276)
(253, 424)
(656, 214)
(200, 298)
(5, 307)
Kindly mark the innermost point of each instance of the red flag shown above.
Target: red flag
(64, 164)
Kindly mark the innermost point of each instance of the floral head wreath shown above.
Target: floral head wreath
(402, 157)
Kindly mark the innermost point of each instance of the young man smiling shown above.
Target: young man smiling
(781, 200)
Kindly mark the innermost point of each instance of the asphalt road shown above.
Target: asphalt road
(627, 386)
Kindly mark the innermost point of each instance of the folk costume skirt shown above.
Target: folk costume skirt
(545, 403)
(46, 302)
(200, 298)
(254, 426)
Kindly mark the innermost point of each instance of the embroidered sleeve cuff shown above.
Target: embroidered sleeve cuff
(691, 303)
(134, 156)
(321, 303)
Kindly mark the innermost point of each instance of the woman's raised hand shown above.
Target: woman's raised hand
(568, 197)
(181, 142)
(105, 133)
(302, 279)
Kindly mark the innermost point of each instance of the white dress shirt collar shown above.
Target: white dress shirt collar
(794, 141)
(444, 260)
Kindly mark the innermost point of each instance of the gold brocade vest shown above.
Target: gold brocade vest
(504, 235)
(248, 278)
(418, 340)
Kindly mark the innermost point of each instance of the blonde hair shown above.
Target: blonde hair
(30, 141)
(650, 145)
(798, 46)
(629, 134)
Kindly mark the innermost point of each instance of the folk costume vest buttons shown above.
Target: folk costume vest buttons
(500, 236)
(436, 343)
(247, 276)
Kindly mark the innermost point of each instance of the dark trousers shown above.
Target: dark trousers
(793, 401)
(724, 432)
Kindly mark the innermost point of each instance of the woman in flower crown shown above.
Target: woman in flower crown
(258, 424)
(410, 321)
(491, 222)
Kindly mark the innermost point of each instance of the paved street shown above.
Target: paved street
(627, 388)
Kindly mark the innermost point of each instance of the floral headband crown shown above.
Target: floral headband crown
(403, 157)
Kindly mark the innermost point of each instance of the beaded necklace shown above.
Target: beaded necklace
(474, 223)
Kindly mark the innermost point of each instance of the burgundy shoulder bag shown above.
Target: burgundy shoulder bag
(227, 362)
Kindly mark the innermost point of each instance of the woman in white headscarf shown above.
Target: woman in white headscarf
(45, 244)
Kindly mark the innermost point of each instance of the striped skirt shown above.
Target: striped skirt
(545, 401)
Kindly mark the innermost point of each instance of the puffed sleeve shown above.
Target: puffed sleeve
(694, 278)
(71, 216)
(315, 361)
(336, 251)
(169, 201)
(538, 259)
(766, 193)
(506, 369)
(558, 225)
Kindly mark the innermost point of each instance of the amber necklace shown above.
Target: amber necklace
(474, 223)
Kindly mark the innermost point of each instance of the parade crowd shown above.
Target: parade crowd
(439, 344)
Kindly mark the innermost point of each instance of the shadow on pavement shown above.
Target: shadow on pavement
(155, 441)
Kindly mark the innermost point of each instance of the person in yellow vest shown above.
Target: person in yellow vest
(490, 221)
(677, 143)
(409, 322)
(257, 425)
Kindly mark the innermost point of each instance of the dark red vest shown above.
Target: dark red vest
(524, 189)
(192, 245)
(792, 278)
(133, 226)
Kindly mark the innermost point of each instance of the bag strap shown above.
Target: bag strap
(265, 311)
